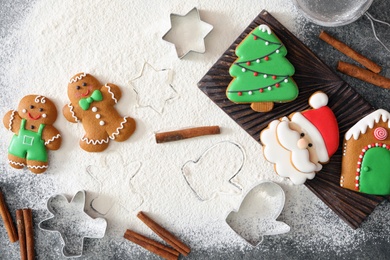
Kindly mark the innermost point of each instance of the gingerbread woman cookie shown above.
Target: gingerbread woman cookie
(34, 132)
(93, 105)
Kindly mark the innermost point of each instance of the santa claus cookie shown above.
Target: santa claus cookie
(299, 144)
(93, 105)
(32, 125)
(366, 155)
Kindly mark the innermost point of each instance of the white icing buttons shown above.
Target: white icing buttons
(97, 116)
(101, 122)
(94, 109)
(24, 110)
(44, 115)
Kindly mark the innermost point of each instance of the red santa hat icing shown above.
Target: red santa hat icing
(321, 125)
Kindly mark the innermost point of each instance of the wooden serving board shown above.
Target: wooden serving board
(311, 75)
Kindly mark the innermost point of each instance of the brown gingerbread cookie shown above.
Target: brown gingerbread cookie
(34, 132)
(366, 155)
(93, 105)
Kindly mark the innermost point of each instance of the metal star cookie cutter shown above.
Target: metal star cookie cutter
(187, 33)
(74, 225)
(257, 213)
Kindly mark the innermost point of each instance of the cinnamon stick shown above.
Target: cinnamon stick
(7, 219)
(186, 133)
(342, 47)
(164, 234)
(22, 234)
(151, 245)
(363, 74)
(28, 224)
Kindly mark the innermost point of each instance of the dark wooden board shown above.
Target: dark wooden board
(311, 75)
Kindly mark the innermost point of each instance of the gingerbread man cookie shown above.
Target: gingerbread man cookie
(93, 105)
(34, 132)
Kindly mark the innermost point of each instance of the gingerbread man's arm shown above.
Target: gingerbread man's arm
(52, 137)
(70, 114)
(12, 121)
(111, 92)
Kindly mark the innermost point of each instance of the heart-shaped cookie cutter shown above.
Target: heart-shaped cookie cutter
(254, 221)
(72, 222)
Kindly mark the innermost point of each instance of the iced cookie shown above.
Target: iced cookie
(366, 155)
(93, 105)
(299, 144)
(32, 125)
(261, 74)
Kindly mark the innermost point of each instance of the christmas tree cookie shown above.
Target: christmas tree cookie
(366, 155)
(261, 74)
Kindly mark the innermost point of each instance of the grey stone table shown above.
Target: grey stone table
(373, 243)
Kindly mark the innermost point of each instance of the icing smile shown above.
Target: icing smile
(32, 117)
(85, 94)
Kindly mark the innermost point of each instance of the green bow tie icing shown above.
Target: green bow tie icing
(86, 102)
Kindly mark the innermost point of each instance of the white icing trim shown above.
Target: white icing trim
(112, 94)
(264, 28)
(16, 163)
(118, 129)
(41, 100)
(77, 78)
(94, 142)
(73, 114)
(368, 121)
(314, 134)
(37, 166)
(52, 139)
(11, 120)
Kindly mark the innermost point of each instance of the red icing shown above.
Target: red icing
(266, 58)
(255, 74)
(255, 37)
(380, 133)
(274, 77)
(85, 94)
(277, 85)
(248, 63)
(261, 90)
(34, 118)
(239, 93)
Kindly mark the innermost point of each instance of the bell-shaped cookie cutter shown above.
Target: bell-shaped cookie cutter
(270, 199)
(72, 222)
(187, 33)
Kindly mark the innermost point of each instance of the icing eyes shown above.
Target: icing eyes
(310, 145)
(84, 84)
(302, 134)
(41, 109)
(31, 107)
(78, 87)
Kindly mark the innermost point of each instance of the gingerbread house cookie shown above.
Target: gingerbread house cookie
(366, 155)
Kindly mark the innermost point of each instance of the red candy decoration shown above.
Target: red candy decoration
(239, 93)
(277, 85)
(261, 90)
(248, 63)
(266, 58)
(274, 77)
(255, 74)
(255, 37)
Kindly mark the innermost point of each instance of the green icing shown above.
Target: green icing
(28, 144)
(251, 49)
(375, 172)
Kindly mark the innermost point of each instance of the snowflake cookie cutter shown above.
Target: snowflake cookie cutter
(206, 193)
(72, 222)
(174, 94)
(257, 214)
(187, 33)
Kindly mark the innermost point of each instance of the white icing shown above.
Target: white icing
(318, 99)
(24, 110)
(52, 139)
(118, 129)
(102, 123)
(94, 142)
(16, 163)
(97, 116)
(77, 78)
(264, 28)
(44, 115)
(72, 112)
(367, 122)
(94, 109)
(38, 166)
(112, 94)
(281, 157)
(11, 119)
(40, 99)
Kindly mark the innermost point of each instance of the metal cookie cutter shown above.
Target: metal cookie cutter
(187, 33)
(258, 212)
(70, 220)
